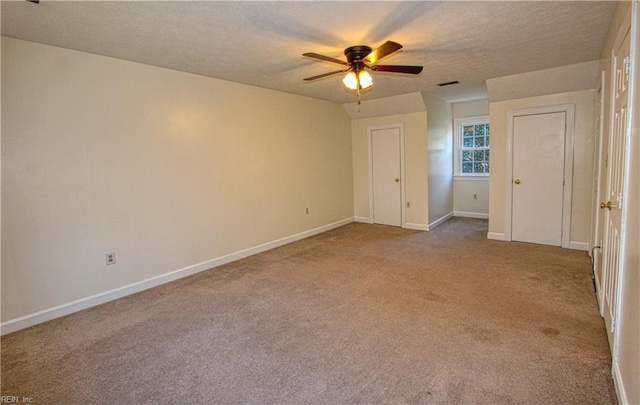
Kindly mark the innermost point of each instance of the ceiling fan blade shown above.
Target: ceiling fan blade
(414, 70)
(325, 58)
(385, 49)
(308, 79)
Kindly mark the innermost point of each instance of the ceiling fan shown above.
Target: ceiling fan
(360, 59)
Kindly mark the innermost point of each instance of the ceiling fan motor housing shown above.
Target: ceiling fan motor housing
(357, 53)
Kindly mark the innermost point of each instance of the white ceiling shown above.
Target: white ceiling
(261, 43)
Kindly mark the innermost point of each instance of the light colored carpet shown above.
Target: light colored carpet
(360, 314)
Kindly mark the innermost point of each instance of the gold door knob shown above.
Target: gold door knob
(608, 205)
(397, 180)
(517, 181)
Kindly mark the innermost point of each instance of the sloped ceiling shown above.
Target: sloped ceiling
(400, 104)
(576, 77)
(261, 43)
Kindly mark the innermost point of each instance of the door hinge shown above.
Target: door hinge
(613, 325)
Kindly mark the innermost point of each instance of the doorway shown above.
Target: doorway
(541, 173)
(387, 175)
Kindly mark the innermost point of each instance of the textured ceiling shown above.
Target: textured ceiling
(261, 43)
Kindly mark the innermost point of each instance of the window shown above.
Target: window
(472, 146)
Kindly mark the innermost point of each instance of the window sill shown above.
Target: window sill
(472, 178)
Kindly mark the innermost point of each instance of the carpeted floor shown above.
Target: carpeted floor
(360, 314)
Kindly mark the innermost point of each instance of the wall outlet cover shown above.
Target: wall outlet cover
(110, 258)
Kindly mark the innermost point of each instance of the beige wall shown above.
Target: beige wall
(629, 315)
(165, 168)
(470, 194)
(470, 108)
(471, 197)
(440, 158)
(415, 182)
(584, 102)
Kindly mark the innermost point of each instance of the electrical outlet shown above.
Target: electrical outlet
(306, 211)
(408, 204)
(110, 258)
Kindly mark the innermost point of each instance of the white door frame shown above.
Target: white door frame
(597, 234)
(569, 109)
(400, 127)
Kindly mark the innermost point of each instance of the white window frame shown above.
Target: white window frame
(458, 124)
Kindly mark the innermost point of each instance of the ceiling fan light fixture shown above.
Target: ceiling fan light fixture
(352, 78)
(351, 81)
(365, 79)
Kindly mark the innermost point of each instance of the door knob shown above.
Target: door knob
(397, 180)
(517, 181)
(608, 205)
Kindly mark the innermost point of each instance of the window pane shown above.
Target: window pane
(474, 149)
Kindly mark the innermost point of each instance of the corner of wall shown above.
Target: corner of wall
(440, 156)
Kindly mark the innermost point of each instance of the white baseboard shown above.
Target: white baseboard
(467, 214)
(440, 220)
(26, 321)
(416, 227)
(496, 236)
(572, 245)
(579, 246)
(408, 225)
(619, 386)
(365, 220)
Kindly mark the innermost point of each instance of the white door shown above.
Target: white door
(615, 183)
(538, 178)
(386, 164)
